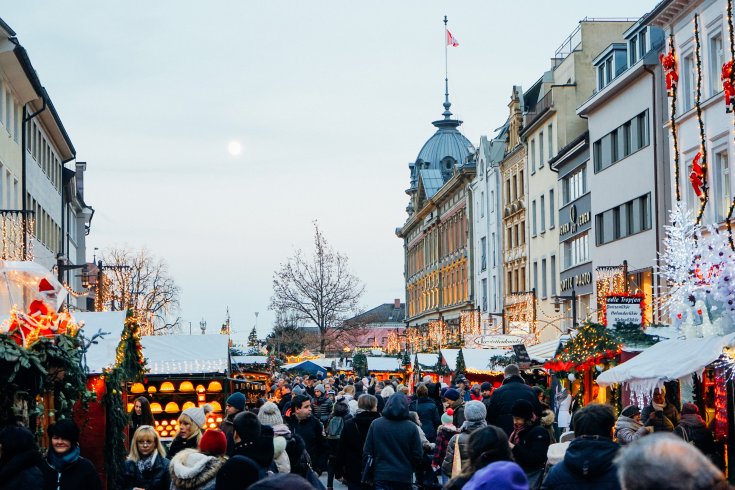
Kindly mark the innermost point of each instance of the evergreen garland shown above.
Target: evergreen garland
(359, 364)
(461, 367)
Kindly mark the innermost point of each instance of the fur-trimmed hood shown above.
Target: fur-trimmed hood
(191, 469)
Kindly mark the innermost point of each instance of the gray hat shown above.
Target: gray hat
(297, 390)
(319, 388)
(474, 411)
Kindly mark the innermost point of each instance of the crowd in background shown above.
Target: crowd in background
(372, 434)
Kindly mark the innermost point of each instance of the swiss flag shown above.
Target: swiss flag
(451, 40)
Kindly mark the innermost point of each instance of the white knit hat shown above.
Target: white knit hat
(269, 414)
(198, 414)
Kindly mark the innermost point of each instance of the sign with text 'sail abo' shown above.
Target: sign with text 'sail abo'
(623, 309)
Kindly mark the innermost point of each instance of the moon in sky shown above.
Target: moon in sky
(235, 148)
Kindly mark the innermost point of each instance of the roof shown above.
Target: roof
(249, 359)
(544, 351)
(102, 354)
(427, 361)
(383, 364)
(474, 359)
(666, 361)
(385, 313)
(432, 181)
(309, 366)
(186, 354)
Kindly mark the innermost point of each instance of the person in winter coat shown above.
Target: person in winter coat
(321, 405)
(351, 441)
(505, 475)
(514, 388)
(394, 445)
(589, 462)
(692, 429)
(235, 404)
(547, 414)
(475, 393)
(193, 469)
(19, 460)
(239, 473)
(453, 399)
(660, 413)
(270, 415)
(305, 425)
(529, 442)
(147, 465)
(140, 414)
(628, 427)
(485, 446)
(254, 440)
(463, 386)
(486, 390)
(191, 423)
(443, 435)
(427, 411)
(64, 468)
(285, 402)
(474, 413)
(333, 431)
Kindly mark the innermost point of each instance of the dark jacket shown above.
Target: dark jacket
(458, 417)
(157, 478)
(691, 428)
(501, 402)
(285, 403)
(321, 408)
(670, 419)
(79, 475)
(21, 472)
(530, 452)
(351, 442)
(381, 403)
(179, 444)
(238, 473)
(428, 415)
(393, 442)
(588, 464)
(261, 450)
(312, 433)
(228, 427)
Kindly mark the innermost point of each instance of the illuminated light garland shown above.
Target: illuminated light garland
(594, 344)
(702, 160)
(520, 309)
(669, 64)
(13, 235)
(610, 281)
(76, 294)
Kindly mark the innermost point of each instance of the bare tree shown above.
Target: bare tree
(318, 288)
(138, 280)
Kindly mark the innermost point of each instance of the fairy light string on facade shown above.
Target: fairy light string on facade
(670, 66)
(727, 70)
(698, 176)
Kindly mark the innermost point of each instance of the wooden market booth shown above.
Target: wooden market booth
(250, 376)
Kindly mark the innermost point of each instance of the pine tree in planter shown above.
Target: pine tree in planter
(253, 338)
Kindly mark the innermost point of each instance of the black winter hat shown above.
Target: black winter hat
(65, 429)
(522, 409)
(486, 386)
(247, 426)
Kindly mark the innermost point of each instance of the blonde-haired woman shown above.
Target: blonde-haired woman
(146, 467)
(191, 424)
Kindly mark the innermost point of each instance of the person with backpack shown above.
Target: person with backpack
(352, 440)
(335, 426)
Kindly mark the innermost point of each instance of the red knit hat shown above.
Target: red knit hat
(213, 443)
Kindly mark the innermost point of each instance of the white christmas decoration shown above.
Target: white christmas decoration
(675, 263)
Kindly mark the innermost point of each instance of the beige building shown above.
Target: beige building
(550, 123)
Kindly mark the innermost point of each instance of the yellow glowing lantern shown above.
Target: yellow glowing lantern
(187, 405)
(137, 388)
(216, 407)
(167, 387)
(201, 389)
(168, 427)
(164, 433)
(186, 387)
(219, 419)
(156, 407)
(200, 398)
(152, 389)
(130, 407)
(157, 423)
(212, 425)
(172, 407)
(214, 386)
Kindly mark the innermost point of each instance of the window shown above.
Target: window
(482, 204)
(495, 293)
(642, 43)
(523, 232)
(510, 282)
(575, 185)
(517, 235)
(535, 276)
(507, 192)
(722, 186)
(483, 253)
(553, 275)
(541, 150)
(575, 252)
(520, 183)
(624, 220)
(688, 87)
(492, 251)
(716, 60)
(515, 188)
(492, 201)
(621, 142)
(533, 156)
(549, 129)
(523, 279)
(533, 218)
(484, 295)
(552, 208)
(633, 50)
(601, 77)
(544, 292)
(543, 213)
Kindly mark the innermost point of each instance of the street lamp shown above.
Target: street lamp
(573, 298)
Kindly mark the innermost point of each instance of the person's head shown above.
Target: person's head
(447, 417)
(145, 442)
(269, 414)
(488, 445)
(192, 421)
(632, 412)
(319, 390)
(213, 443)
(301, 407)
(539, 392)
(367, 403)
(247, 427)
(461, 383)
(476, 389)
(403, 389)
(64, 436)
(292, 481)
(475, 411)
(142, 409)
(486, 388)
(349, 390)
(422, 391)
(505, 475)
(511, 370)
(414, 417)
(451, 396)
(659, 395)
(285, 388)
(594, 419)
(522, 412)
(662, 457)
(235, 403)
(689, 409)
(387, 392)
(15, 441)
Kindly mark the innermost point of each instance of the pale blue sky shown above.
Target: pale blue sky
(330, 100)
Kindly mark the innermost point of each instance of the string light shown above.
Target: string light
(704, 198)
(670, 65)
(520, 315)
(731, 32)
(610, 281)
(14, 233)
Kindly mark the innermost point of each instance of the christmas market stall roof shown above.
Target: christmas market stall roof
(544, 351)
(475, 360)
(667, 361)
(102, 354)
(383, 364)
(426, 361)
(310, 367)
(250, 360)
(186, 354)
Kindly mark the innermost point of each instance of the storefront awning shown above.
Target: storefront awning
(666, 361)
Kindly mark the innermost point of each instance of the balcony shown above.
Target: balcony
(541, 107)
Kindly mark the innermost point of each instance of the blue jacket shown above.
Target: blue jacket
(588, 464)
(428, 415)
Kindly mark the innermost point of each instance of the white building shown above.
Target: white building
(625, 117)
(36, 190)
(487, 227)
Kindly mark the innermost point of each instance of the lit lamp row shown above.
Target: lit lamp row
(173, 407)
(184, 387)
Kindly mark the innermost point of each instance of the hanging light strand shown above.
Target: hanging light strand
(671, 68)
(704, 198)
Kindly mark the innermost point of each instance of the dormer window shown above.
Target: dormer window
(610, 63)
(605, 72)
(638, 45)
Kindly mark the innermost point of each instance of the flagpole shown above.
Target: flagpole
(446, 70)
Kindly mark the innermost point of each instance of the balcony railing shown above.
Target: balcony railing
(540, 108)
(17, 234)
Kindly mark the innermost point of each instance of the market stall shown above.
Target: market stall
(250, 376)
(479, 364)
(385, 367)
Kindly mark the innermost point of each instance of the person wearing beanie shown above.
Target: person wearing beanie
(252, 440)
(628, 427)
(269, 415)
(474, 413)
(693, 430)
(191, 423)
(238, 473)
(213, 443)
(453, 399)
(64, 468)
(427, 411)
(514, 388)
(280, 482)
(235, 404)
(19, 460)
(486, 389)
(443, 435)
(501, 475)
(321, 404)
(485, 446)
(528, 441)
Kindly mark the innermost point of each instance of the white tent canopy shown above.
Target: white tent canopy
(666, 361)
(544, 351)
(379, 364)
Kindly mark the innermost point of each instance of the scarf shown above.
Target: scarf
(658, 407)
(146, 463)
(63, 461)
(515, 436)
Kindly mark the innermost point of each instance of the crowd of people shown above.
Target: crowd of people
(372, 434)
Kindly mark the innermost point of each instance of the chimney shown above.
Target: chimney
(80, 169)
(397, 303)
